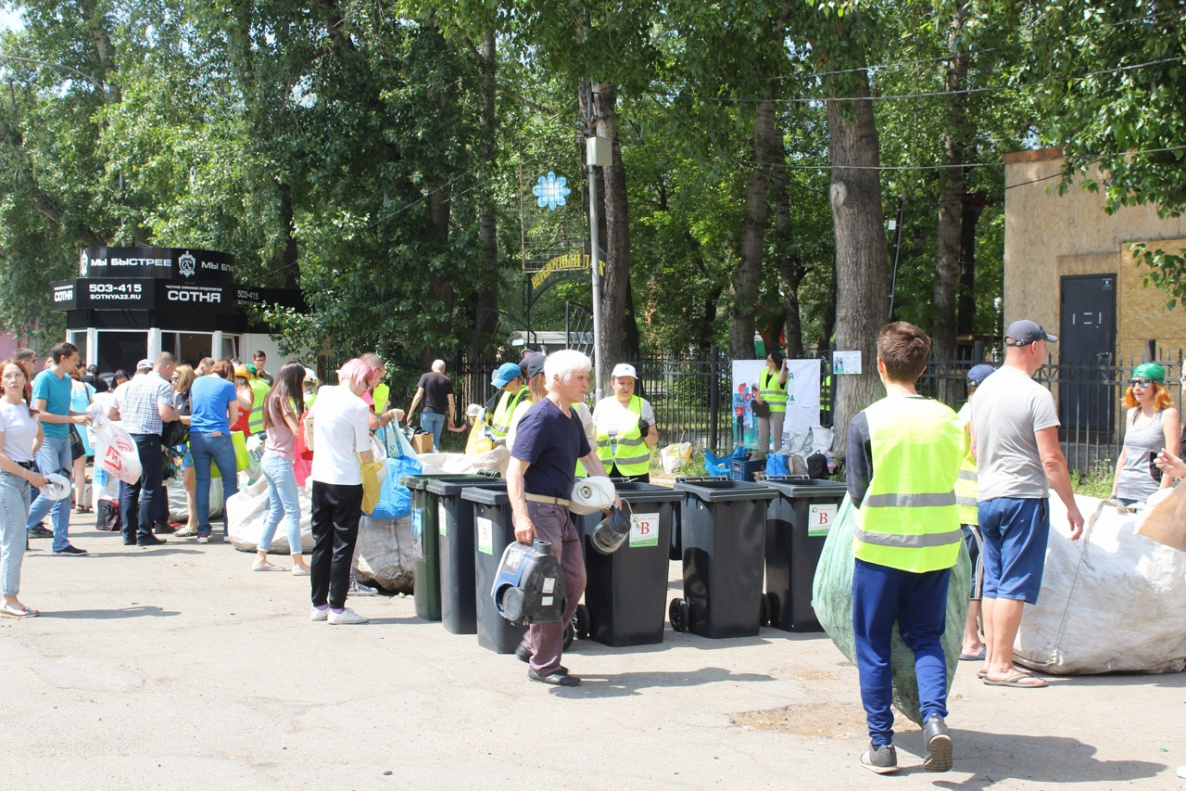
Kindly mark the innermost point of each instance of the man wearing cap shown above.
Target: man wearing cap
(1018, 459)
(968, 507)
(508, 377)
(144, 404)
(625, 450)
(436, 391)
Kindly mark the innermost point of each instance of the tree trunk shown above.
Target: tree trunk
(973, 206)
(828, 322)
(790, 265)
(749, 270)
(619, 330)
(862, 283)
(947, 258)
(485, 312)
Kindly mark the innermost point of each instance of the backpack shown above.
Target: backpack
(817, 465)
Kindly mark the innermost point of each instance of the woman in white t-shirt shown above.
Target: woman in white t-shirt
(20, 437)
(341, 443)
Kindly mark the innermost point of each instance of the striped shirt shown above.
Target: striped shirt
(137, 402)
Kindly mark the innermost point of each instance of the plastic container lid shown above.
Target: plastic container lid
(638, 492)
(721, 489)
(453, 485)
(486, 496)
(421, 482)
(798, 486)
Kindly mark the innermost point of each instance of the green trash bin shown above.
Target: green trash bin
(455, 518)
(426, 541)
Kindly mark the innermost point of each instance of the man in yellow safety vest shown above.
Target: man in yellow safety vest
(904, 453)
(259, 391)
(625, 427)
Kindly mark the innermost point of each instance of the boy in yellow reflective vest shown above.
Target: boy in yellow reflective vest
(968, 508)
(904, 454)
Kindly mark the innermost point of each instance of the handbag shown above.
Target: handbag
(760, 410)
(174, 433)
(77, 449)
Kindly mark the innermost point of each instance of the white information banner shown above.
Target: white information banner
(803, 385)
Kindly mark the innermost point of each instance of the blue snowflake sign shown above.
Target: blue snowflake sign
(551, 191)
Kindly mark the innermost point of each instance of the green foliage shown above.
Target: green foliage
(1166, 270)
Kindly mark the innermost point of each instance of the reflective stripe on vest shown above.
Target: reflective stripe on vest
(629, 451)
(908, 517)
(771, 391)
(259, 390)
(505, 410)
(966, 487)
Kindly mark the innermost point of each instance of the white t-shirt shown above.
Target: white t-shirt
(341, 430)
(1008, 410)
(19, 430)
(611, 406)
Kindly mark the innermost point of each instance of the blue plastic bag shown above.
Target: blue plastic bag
(395, 501)
(713, 464)
(776, 464)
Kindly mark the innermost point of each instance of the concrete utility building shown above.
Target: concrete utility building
(1069, 266)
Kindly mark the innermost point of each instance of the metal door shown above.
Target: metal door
(1086, 343)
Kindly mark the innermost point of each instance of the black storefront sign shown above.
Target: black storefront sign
(168, 263)
(141, 293)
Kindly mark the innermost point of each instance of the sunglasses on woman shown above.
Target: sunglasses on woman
(1140, 382)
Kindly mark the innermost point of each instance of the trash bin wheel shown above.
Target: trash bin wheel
(569, 635)
(581, 623)
(678, 613)
(764, 613)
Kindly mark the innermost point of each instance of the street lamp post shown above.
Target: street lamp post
(599, 152)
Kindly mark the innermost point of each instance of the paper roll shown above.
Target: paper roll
(57, 488)
(590, 495)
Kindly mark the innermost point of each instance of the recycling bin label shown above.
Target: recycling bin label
(820, 519)
(485, 535)
(441, 521)
(418, 532)
(644, 530)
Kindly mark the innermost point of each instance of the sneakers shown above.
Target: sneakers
(265, 566)
(523, 654)
(301, 571)
(558, 678)
(203, 539)
(319, 615)
(346, 617)
(70, 550)
(358, 589)
(152, 541)
(881, 759)
(39, 531)
(938, 745)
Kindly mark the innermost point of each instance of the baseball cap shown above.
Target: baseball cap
(1151, 371)
(505, 373)
(252, 369)
(534, 365)
(624, 369)
(1024, 332)
(310, 375)
(243, 371)
(473, 410)
(978, 373)
(144, 365)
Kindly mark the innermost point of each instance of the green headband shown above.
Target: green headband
(1150, 371)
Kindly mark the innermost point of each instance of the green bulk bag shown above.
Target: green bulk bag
(831, 597)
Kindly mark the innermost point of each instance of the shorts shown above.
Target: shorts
(1015, 531)
(188, 461)
(973, 541)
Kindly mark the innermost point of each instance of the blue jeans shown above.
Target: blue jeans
(14, 510)
(54, 456)
(918, 603)
(207, 448)
(434, 424)
(140, 501)
(283, 500)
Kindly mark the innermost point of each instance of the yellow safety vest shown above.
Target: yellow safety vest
(771, 391)
(505, 410)
(966, 487)
(259, 390)
(629, 452)
(908, 518)
(381, 395)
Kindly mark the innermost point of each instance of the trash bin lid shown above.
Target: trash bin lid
(638, 492)
(807, 488)
(421, 482)
(721, 489)
(486, 495)
(452, 486)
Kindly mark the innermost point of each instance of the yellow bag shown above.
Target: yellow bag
(242, 457)
(373, 473)
(478, 442)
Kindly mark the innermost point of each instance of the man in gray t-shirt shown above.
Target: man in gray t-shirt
(1018, 459)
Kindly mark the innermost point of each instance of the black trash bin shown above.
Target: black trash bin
(493, 531)
(724, 528)
(626, 592)
(797, 524)
(455, 522)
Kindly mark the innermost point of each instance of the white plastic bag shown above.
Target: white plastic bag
(1111, 601)
(675, 456)
(116, 452)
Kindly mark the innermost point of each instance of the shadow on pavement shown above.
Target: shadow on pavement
(996, 757)
(627, 684)
(150, 552)
(142, 611)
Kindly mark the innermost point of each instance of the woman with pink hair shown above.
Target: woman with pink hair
(338, 431)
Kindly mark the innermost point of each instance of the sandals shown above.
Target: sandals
(12, 611)
(185, 532)
(1016, 679)
(82, 509)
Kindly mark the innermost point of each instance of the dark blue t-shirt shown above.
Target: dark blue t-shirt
(210, 396)
(552, 442)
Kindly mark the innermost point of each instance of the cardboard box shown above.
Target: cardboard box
(422, 443)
